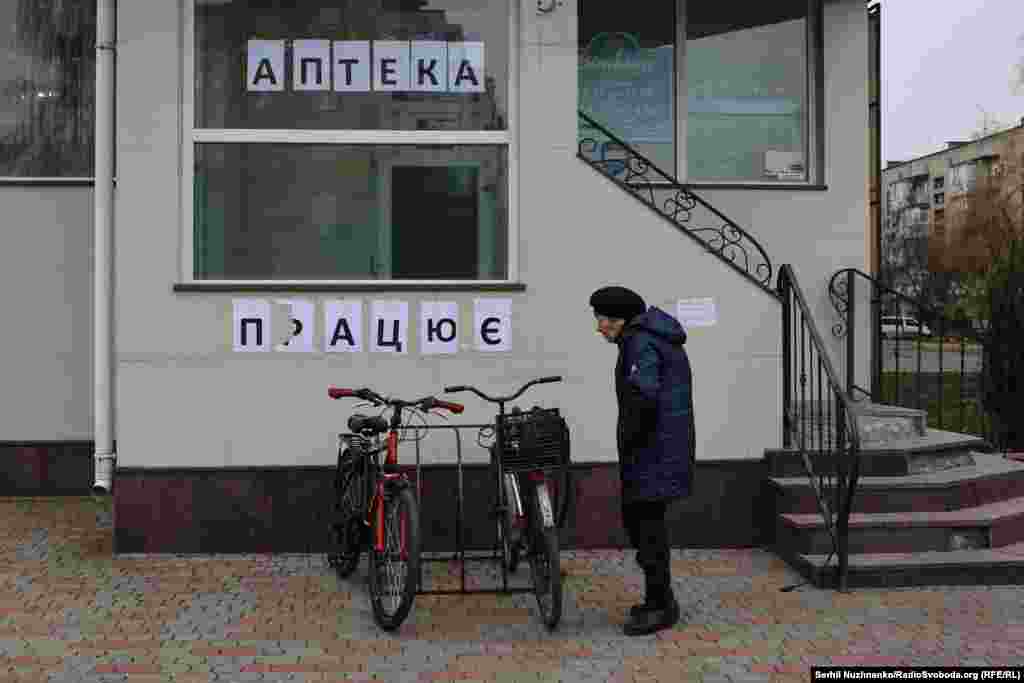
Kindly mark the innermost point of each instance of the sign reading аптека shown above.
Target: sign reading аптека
(363, 65)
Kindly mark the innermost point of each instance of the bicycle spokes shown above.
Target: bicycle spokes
(394, 556)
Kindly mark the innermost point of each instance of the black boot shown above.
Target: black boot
(646, 606)
(651, 617)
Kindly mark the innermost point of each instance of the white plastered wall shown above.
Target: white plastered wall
(184, 399)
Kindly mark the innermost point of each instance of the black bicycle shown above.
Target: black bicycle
(374, 506)
(530, 446)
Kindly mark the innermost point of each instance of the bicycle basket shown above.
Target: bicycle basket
(534, 440)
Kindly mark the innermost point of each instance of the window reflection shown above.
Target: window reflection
(270, 211)
(348, 30)
(627, 76)
(47, 72)
(746, 77)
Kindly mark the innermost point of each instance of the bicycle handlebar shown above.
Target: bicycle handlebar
(503, 399)
(425, 403)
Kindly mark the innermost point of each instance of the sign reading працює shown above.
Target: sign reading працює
(363, 65)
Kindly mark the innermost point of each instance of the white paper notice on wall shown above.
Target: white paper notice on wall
(351, 66)
(492, 324)
(389, 326)
(439, 327)
(343, 326)
(311, 65)
(265, 66)
(466, 67)
(250, 325)
(298, 339)
(698, 312)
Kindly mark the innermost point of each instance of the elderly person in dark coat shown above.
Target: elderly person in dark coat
(655, 438)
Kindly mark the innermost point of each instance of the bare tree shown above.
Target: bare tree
(991, 216)
(990, 246)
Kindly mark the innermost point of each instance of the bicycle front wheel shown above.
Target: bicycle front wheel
(394, 572)
(345, 526)
(544, 561)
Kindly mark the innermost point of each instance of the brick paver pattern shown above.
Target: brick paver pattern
(70, 610)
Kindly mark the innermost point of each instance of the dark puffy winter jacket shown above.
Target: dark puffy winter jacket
(653, 385)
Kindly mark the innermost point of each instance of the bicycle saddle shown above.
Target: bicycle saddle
(360, 424)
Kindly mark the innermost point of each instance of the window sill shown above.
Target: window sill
(756, 186)
(46, 182)
(739, 186)
(389, 286)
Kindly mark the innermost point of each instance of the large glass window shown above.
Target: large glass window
(746, 71)
(732, 79)
(358, 212)
(391, 65)
(47, 73)
(350, 141)
(627, 75)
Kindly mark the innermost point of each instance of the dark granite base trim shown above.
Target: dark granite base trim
(281, 509)
(46, 468)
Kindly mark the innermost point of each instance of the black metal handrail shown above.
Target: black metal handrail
(645, 181)
(818, 417)
(887, 385)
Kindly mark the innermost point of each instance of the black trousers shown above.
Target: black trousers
(645, 524)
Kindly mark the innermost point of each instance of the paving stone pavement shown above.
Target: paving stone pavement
(72, 611)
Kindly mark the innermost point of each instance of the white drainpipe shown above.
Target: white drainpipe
(103, 294)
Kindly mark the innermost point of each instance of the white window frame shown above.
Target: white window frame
(812, 93)
(509, 138)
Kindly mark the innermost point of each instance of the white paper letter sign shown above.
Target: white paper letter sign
(343, 326)
(439, 321)
(311, 65)
(466, 67)
(390, 65)
(389, 326)
(298, 339)
(697, 312)
(428, 70)
(492, 324)
(251, 325)
(266, 66)
(351, 66)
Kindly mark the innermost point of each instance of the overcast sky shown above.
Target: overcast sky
(943, 62)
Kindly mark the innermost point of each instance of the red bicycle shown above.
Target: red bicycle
(374, 506)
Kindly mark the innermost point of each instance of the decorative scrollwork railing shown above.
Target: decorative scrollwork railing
(932, 364)
(631, 170)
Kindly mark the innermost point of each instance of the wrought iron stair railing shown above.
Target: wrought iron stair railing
(608, 154)
(819, 418)
(951, 392)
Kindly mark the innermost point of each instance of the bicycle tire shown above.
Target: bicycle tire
(344, 527)
(391, 619)
(545, 568)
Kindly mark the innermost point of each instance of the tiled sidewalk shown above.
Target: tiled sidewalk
(69, 611)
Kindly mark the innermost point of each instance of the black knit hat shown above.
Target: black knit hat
(617, 302)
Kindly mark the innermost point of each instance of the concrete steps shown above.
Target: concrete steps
(931, 508)
(989, 479)
(991, 566)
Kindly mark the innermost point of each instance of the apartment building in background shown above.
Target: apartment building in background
(926, 205)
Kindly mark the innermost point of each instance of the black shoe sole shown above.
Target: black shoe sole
(672, 618)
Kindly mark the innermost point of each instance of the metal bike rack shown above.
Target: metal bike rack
(460, 552)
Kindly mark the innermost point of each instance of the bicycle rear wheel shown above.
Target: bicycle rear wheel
(394, 572)
(544, 564)
(345, 535)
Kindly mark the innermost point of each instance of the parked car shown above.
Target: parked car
(903, 326)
